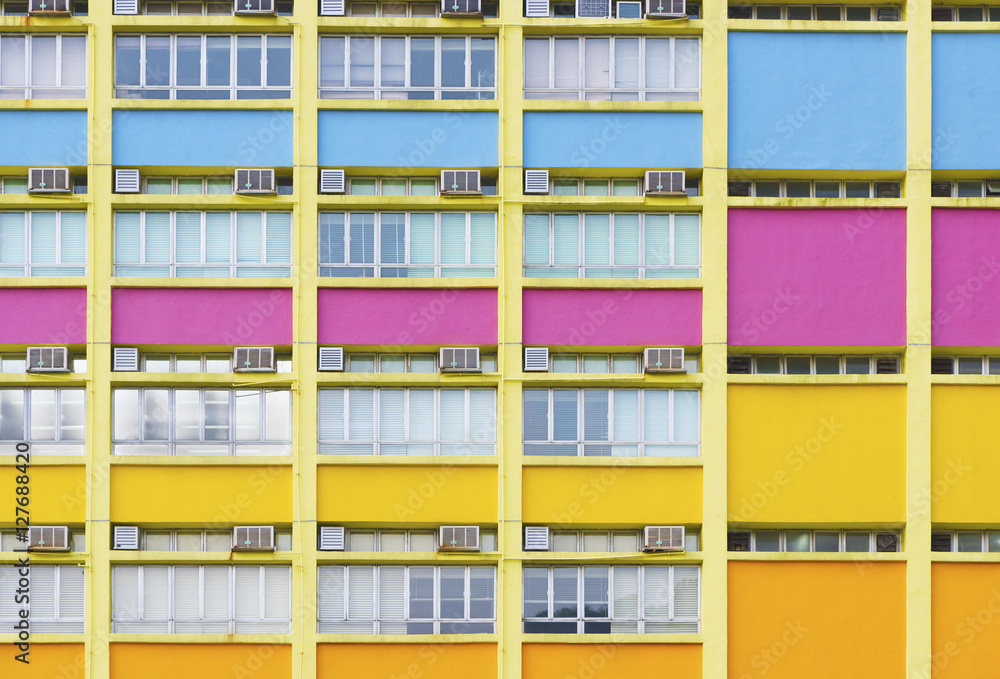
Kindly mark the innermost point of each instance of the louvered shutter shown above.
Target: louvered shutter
(331, 415)
(124, 595)
(392, 600)
(392, 422)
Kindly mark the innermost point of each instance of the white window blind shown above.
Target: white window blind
(612, 422)
(57, 599)
(52, 421)
(43, 243)
(41, 66)
(203, 244)
(615, 245)
(406, 599)
(407, 421)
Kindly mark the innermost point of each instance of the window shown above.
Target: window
(407, 244)
(9, 541)
(405, 363)
(51, 421)
(608, 363)
(56, 599)
(613, 68)
(615, 422)
(400, 9)
(618, 9)
(203, 7)
(40, 66)
(965, 541)
(966, 189)
(612, 600)
(404, 67)
(608, 541)
(813, 541)
(965, 365)
(814, 12)
(407, 599)
(203, 66)
(202, 540)
(980, 13)
(805, 188)
(404, 186)
(202, 421)
(407, 421)
(213, 186)
(814, 365)
(203, 244)
(200, 363)
(201, 600)
(17, 362)
(391, 540)
(619, 188)
(43, 244)
(612, 245)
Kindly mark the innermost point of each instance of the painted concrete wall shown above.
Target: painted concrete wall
(58, 494)
(610, 660)
(44, 138)
(408, 316)
(965, 278)
(167, 661)
(43, 316)
(803, 465)
(610, 139)
(965, 603)
(45, 661)
(406, 661)
(817, 277)
(402, 139)
(236, 316)
(612, 317)
(817, 620)
(965, 99)
(202, 138)
(817, 101)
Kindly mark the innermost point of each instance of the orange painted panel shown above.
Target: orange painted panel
(610, 661)
(45, 661)
(965, 619)
(58, 494)
(406, 661)
(170, 661)
(822, 620)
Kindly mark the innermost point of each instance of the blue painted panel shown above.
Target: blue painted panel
(44, 138)
(408, 139)
(817, 101)
(965, 101)
(203, 138)
(606, 139)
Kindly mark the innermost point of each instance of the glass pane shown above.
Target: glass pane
(279, 61)
(597, 66)
(827, 541)
(483, 62)
(767, 541)
(827, 365)
(422, 62)
(12, 62)
(657, 63)
(856, 541)
(331, 62)
(157, 71)
(248, 61)
(564, 592)
(74, 61)
(453, 62)
(248, 415)
(188, 60)
(627, 63)
(797, 541)
(43, 61)
(797, 365)
(687, 63)
(970, 541)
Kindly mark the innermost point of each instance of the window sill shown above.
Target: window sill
(406, 638)
(203, 104)
(420, 558)
(447, 283)
(615, 283)
(131, 282)
(200, 460)
(613, 558)
(817, 379)
(965, 557)
(188, 202)
(203, 380)
(613, 639)
(44, 461)
(612, 203)
(817, 26)
(159, 638)
(335, 25)
(551, 461)
(139, 557)
(410, 460)
(329, 104)
(611, 26)
(860, 559)
(743, 201)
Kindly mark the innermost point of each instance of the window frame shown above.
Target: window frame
(872, 536)
(61, 268)
(29, 89)
(58, 445)
(58, 623)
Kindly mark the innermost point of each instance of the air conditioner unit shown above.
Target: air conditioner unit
(460, 182)
(536, 8)
(739, 189)
(886, 542)
(887, 189)
(331, 181)
(253, 6)
(627, 9)
(942, 365)
(331, 538)
(536, 538)
(48, 539)
(255, 181)
(887, 365)
(48, 180)
(126, 537)
(665, 360)
(459, 539)
(48, 360)
(536, 181)
(125, 359)
(665, 9)
(127, 181)
(48, 7)
(940, 542)
(331, 359)
(739, 541)
(331, 8)
(887, 14)
(941, 189)
(126, 7)
(663, 539)
(253, 539)
(459, 359)
(739, 365)
(253, 359)
(536, 359)
(461, 8)
(665, 183)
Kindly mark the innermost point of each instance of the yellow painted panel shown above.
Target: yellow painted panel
(611, 661)
(57, 495)
(613, 494)
(965, 467)
(381, 493)
(170, 661)
(45, 661)
(817, 620)
(217, 495)
(825, 454)
(965, 612)
(406, 661)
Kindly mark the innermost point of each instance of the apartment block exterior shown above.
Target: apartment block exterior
(485, 339)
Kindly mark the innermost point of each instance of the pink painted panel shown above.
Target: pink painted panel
(965, 287)
(43, 316)
(235, 316)
(817, 277)
(407, 316)
(608, 316)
